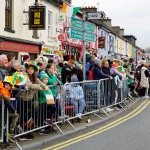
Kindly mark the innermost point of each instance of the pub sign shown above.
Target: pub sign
(101, 42)
(37, 17)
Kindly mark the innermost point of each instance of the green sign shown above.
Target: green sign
(89, 27)
(90, 37)
(76, 23)
(76, 34)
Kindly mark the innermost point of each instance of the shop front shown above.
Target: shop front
(20, 48)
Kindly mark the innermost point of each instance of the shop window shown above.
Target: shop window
(35, 34)
(50, 18)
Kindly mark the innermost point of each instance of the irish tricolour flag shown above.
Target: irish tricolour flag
(69, 11)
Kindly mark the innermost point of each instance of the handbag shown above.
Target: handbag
(50, 99)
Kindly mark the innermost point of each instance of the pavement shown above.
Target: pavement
(83, 126)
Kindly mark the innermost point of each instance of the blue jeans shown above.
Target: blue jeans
(79, 105)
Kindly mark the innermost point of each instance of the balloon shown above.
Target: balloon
(44, 49)
(57, 51)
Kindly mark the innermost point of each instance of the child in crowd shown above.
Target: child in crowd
(46, 107)
(76, 95)
(5, 89)
(28, 100)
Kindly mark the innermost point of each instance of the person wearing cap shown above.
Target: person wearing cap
(46, 110)
(97, 71)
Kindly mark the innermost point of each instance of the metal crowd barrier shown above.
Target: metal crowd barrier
(73, 100)
(2, 125)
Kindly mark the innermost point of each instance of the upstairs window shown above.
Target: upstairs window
(8, 14)
(50, 31)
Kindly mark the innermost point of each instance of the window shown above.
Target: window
(50, 31)
(8, 14)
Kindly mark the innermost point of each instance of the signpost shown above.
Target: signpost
(96, 15)
(85, 31)
(36, 17)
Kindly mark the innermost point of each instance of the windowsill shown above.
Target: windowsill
(9, 30)
(35, 37)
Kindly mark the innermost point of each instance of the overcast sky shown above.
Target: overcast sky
(132, 15)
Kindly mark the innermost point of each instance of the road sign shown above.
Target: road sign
(90, 37)
(76, 34)
(90, 27)
(76, 23)
(96, 15)
(77, 30)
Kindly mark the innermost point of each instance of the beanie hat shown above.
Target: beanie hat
(97, 62)
(43, 76)
(120, 69)
(25, 57)
(88, 56)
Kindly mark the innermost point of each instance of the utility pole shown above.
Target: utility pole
(84, 47)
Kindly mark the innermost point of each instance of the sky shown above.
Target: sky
(131, 15)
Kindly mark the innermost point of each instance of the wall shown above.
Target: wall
(21, 31)
(103, 33)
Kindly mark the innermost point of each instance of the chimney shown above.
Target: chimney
(107, 22)
(122, 32)
(118, 30)
(88, 9)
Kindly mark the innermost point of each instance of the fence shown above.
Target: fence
(2, 127)
(73, 100)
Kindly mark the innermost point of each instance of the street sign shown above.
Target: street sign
(90, 37)
(95, 15)
(77, 30)
(36, 17)
(90, 27)
(76, 34)
(76, 23)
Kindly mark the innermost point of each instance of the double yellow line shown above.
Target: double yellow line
(139, 109)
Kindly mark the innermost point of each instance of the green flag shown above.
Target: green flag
(75, 10)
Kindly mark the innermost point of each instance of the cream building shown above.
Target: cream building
(16, 37)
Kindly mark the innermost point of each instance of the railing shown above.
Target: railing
(2, 127)
(73, 100)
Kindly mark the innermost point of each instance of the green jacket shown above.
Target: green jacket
(52, 80)
(42, 96)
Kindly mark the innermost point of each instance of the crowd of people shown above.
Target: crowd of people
(22, 80)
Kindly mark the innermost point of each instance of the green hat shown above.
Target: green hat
(31, 63)
(88, 56)
(43, 76)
